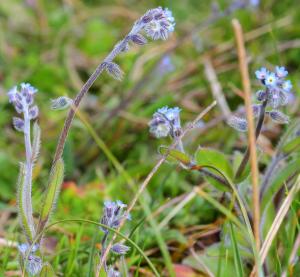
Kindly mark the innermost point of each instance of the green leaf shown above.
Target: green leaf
(213, 158)
(55, 181)
(237, 257)
(47, 271)
(175, 155)
(22, 203)
(278, 181)
(207, 260)
(291, 146)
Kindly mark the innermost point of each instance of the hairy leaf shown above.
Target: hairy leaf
(55, 181)
(29, 231)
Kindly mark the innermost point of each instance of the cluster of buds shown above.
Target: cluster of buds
(113, 213)
(156, 23)
(276, 93)
(165, 122)
(276, 86)
(33, 263)
(23, 101)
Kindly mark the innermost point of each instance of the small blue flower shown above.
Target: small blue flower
(287, 86)
(281, 72)
(271, 80)
(262, 73)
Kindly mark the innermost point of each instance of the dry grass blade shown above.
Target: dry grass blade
(277, 222)
(251, 132)
(216, 87)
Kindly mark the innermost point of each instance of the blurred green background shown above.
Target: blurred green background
(56, 45)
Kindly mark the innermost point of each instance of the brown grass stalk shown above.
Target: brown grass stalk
(251, 127)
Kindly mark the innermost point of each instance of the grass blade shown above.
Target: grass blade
(237, 257)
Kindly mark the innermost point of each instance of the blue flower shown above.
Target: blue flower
(262, 73)
(281, 72)
(271, 80)
(287, 86)
(166, 121)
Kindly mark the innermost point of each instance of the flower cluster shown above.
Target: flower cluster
(276, 87)
(33, 263)
(113, 213)
(275, 94)
(23, 101)
(158, 23)
(166, 121)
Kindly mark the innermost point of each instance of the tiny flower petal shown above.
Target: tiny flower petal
(262, 73)
(287, 86)
(271, 80)
(281, 72)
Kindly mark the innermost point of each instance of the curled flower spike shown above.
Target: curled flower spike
(166, 121)
(159, 23)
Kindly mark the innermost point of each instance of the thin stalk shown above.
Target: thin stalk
(28, 171)
(251, 130)
(259, 125)
(103, 243)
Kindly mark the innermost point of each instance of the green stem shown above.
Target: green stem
(257, 132)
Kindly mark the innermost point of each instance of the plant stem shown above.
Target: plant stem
(103, 243)
(28, 171)
(257, 132)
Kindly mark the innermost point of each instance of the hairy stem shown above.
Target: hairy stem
(28, 171)
(257, 132)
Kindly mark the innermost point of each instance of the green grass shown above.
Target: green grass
(56, 46)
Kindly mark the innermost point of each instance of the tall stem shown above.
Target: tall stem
(28, 172)
(257, 132)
